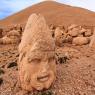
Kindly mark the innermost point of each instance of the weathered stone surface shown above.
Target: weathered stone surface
(88, 33)
(72, 26)
(37, 66)
(74, 30)
(5, 40)
(92, 38)
(11, 37)
(82, 31)
(80, 40)
(13, 33)
(52, 29)
(60, 36)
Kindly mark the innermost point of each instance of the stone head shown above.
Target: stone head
(37, 66)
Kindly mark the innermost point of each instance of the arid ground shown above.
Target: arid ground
(75, 76)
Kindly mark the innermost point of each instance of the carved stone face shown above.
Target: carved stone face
(37, 69)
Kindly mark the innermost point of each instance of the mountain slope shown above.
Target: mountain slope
(55, 13)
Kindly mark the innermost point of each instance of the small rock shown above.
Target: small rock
(80, 41)
(88, 33)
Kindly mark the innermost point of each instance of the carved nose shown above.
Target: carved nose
(44, 75)
(45, 67)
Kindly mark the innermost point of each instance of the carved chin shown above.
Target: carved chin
(45, 81)
(36, 81)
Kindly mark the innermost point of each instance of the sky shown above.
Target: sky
(9, 7)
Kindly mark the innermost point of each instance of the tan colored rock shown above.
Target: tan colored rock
(72, 26)
(19, 28)
(37, 66)
(68, 39)
(12, 37)
(80, 41)
(74, 30)
(92, 38)
(5, 40)
(13, 33)
(88, 32)
(82, 31)
(60, 36)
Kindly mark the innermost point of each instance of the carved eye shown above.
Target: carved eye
(35, 60)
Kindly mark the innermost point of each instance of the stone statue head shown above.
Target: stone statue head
(37, 67)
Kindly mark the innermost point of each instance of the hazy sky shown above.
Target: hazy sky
(8, 7)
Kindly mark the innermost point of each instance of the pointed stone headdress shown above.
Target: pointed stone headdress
(37, 35)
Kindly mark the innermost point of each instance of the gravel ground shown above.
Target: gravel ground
(75, 75)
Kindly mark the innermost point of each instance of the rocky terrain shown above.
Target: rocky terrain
(76, 76)
(74, 53)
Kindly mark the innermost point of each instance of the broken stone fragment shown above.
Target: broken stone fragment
(92, 38)
(72, 26)
(12, 37)
(74, 32)
(80, 41)
(61, 36)
(88, 33)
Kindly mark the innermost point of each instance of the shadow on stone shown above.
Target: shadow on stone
(1, 81)
(1, 71)
(12, 64)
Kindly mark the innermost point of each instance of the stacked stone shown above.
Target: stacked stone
(75, 34)
(12, 37)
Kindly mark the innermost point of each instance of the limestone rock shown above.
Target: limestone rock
(60, 36)
(92, 42)
(11, 37)
(82, 31)
(72, 26)
(88, 33)
(74, 30)
(5, 40)
(36, 63)
(80, 41)
(13, 33)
